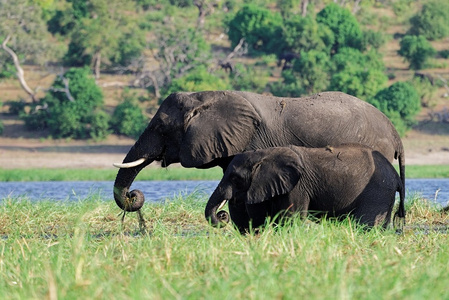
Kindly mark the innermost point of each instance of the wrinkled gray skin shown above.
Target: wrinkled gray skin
(207, 129)
(336, 181)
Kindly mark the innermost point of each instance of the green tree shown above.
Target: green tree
(102, 32)
(344, 25)
(416, 50)
(24, 36)
(358, 74)
(199, 79)
(305, 34)
(71, 108)
(260, 27)
(128, 118)
(432, 21)
(311, 71)
(400, 102)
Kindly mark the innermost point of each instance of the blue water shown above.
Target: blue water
(433, 189)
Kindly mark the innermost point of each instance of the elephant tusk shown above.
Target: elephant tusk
(129, 164)
(222, 204)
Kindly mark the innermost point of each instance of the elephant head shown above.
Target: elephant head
(196, 129)
(254, 177)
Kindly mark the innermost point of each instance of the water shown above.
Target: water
(432, 189)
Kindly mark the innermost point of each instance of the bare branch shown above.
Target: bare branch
(20, 73)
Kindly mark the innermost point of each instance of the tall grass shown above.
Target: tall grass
(170, 173)
(80, 250)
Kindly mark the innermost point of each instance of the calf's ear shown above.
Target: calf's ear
(275, 174)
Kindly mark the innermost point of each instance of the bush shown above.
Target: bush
(311, 71)
(400, 102)
(358, 74)
(199, 79)
(344, 25)
(416, 50)
(260, 27)
(432, 20)
(305, 34)
(128, 118)
(80, 118)
(247, 78)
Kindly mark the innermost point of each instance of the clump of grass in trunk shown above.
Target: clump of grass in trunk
(80, 250)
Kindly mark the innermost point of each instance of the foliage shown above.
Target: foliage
(260, 27)
(288, 7)
(344, 25)
(178, 52)
(128, 118)
(374, 39)
(199, 79)
(311, 71)
(7, 69)
(22, 21)
(246, 78)
(432, 20)
(358, 74)
(416, 50)
(302, 34)
(1, 127)
(80, 118)
(426, 91)
(94, 38)
(400, 102)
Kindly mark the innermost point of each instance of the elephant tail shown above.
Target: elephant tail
(399, 216)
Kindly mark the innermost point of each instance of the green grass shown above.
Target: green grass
(80, 250)
(171, 173)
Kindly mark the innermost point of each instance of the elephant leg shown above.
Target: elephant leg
(375, 212)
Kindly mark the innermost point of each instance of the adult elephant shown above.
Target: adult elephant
(207, 129)
(279, 182)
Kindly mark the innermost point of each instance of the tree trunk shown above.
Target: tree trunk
(97, 63)
(20, 73)
(304, 4)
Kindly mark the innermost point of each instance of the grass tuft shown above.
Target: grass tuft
(80, 250)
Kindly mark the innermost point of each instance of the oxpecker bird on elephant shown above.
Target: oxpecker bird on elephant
(207, 129)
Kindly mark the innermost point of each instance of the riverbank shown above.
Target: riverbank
(421, 148)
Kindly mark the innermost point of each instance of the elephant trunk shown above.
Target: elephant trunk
(137, 158)
(215, 203)
(125, 199)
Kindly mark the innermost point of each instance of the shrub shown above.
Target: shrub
(344, 25)
(247, 78)
(199, 79)
(311, 71)
(260, 27)
(432, 20)
(78, 118)
(358, 74)
(400, 102)
(305, 34)
(128, 118)
(416, 50)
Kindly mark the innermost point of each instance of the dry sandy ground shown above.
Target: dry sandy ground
(36, 153)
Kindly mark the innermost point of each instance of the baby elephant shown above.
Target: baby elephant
(334, 181)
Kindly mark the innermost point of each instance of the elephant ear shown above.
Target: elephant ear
(275, 174)
(217, 124)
